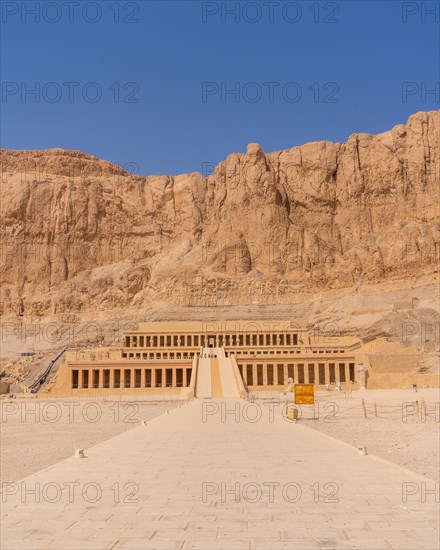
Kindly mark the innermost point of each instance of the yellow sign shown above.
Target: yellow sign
(304, 394)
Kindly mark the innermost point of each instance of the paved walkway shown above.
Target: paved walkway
(195, 480)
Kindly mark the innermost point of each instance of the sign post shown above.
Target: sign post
(304, 394)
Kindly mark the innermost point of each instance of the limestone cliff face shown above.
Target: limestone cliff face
(79, 233)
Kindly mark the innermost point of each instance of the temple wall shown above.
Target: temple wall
(162, 358)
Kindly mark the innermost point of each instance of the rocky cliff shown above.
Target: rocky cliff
(80, 234)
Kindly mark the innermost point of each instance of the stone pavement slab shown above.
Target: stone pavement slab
(222, 474)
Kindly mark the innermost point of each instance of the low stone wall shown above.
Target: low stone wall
(391, 380)
(395, 363)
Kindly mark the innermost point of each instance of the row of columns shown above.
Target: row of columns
(163, 341)
(102, 378)
(217, 340)
(322, 373)
(158, 355)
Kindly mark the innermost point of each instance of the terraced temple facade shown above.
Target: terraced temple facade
(172, 357)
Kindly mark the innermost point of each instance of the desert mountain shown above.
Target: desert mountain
(80, 234)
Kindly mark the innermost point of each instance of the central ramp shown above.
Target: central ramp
(203, 387)
(228, 377)
(216, 376)
(216, 383)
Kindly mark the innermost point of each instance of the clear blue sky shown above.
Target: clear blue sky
(164, 54)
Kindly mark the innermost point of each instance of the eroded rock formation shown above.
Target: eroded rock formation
(81, 235)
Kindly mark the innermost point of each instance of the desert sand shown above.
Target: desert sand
(398, 434)
(36, 433)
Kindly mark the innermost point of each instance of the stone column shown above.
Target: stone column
(143, 378)
(244, 375)
(264, 374)
(347, 373)
(254, 375)
(275, 374)
(296, 373)
(327, 373)
(111, 382)
(153, 377)
(361, 374)
(174, 377)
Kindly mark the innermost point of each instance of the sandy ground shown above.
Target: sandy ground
(396, 434)
(36, 433)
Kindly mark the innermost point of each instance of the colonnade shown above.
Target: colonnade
(110, 378)
(215, 340)
(159, 354)
(277, 374)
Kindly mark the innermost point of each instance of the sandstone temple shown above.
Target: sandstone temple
(208, 359)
